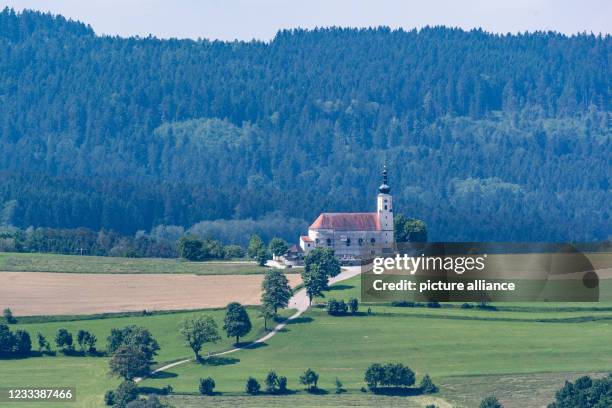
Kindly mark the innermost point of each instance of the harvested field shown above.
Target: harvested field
(40, 293)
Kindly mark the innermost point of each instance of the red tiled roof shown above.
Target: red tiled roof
(347, 222)
(306, 238)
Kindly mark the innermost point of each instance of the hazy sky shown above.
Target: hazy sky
(243, 19)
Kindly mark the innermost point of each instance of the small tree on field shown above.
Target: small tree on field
(199, 331)
(252, 386)
(353, 305)
(43, 344)
(267, 312)
(325, 260)
(255, 245)
(237, 323)
(129, 362)
(315, 281)
(374, 375)
(491, 402)
(23, 343)
(207, 386)
(276, 291)
(262, 257)
(278, 247)
(427, 386)
(309, 379)
(7, 340)
(190, 248)
(63, 340)
(133, 336)
(282, 385)
(8, 316)
(86, 341)
(272, 382)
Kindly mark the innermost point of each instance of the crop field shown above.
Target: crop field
(41, 293)
(23, 262)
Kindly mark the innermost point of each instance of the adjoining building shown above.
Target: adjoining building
(355, 236)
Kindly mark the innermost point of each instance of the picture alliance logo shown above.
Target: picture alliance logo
(412, 264)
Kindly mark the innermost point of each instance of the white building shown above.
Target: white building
(355, 236)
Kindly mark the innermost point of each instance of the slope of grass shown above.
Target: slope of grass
(90, 374)
(22, 262)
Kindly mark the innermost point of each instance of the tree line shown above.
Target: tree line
(226, 134)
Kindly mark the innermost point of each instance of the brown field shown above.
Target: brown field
(41, 293)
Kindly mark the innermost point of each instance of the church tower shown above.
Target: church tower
(384, 208)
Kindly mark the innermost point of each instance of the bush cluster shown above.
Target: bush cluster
(388, 375)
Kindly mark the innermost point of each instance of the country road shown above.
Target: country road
(298, 301)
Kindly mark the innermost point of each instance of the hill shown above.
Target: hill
(487, 137)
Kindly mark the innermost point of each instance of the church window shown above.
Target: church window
(385, 206)
(360, 241)
(373, 241)
(317, 240)
(348, 242)
(328, 242)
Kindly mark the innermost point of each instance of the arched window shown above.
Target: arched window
(328, 241)
(373, 241)
(360, 241)
(348, 242)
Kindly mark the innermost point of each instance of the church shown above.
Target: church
(355, 236)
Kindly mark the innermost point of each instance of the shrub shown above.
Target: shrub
(309, 379)
(433, 305)
(336, 307)
(109, 398)
(490, 402)
(207, 386)
(427, 386)
(339, 389)
(467, 306)
(252, 386)
(402, 303)
(282, 385)
(272, 382)
(353, 305)
(431, 406)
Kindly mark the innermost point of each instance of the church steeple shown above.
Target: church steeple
(384, 187)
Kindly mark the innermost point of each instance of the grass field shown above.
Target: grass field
(523, 353)
(89, 374)
(21, 262)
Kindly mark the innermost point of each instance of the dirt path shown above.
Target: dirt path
(299, 302)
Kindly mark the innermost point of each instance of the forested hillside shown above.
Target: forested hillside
(486, 137)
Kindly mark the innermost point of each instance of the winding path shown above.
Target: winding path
(298, 301)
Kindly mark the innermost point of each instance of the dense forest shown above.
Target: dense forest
(486, 137)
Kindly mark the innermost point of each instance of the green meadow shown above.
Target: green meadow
(530, 348)
(24, 262)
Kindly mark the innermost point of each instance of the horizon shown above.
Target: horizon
(232, 20)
